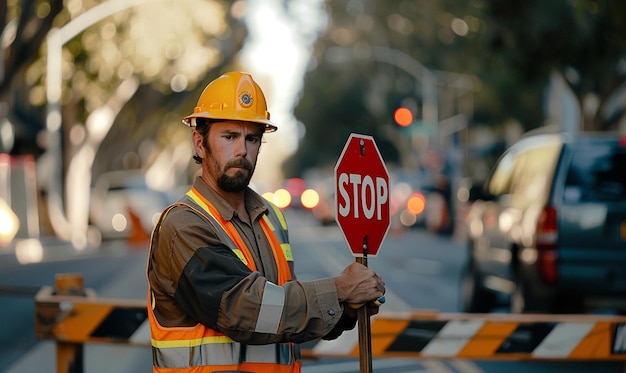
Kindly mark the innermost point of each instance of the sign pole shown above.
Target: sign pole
(363, 318)
(363, 214)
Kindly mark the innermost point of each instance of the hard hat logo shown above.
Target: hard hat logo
(233, 96)
(245, 100)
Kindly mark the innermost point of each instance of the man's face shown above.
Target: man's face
(230, 156)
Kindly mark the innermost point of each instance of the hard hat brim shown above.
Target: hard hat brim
(269, 126)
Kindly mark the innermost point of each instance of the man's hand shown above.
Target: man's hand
(358, 284)
(372, 309)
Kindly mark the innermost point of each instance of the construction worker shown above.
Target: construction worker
(222, 295)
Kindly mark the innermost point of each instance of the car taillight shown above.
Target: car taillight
(546, 242)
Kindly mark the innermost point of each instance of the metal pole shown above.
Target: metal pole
(363, 318)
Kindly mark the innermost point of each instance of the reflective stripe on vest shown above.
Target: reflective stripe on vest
(277, 223)
(276, 233)
(232, 239)
(208, 350)
(222, 354)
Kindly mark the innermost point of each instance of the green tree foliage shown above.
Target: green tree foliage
(584, 41)
(169, 47)
(510, 51)
(126, 70)
(23, 29)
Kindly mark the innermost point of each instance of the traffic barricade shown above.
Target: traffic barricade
(431, 334)
(74, 316)
(71, 316)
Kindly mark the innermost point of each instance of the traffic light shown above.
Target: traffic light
(403, 116)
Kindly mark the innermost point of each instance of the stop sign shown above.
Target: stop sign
(362, 195)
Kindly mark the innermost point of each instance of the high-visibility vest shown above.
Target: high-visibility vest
(201, 349)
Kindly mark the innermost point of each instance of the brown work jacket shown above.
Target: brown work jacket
(195, 278)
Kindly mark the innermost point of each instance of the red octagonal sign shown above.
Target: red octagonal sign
(362, 195)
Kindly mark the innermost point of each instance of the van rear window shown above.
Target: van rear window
(597, 173)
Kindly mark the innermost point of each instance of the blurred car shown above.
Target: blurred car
(324, 210)
(295, 194)
(549, 227)
(123, 205)
(407, 199)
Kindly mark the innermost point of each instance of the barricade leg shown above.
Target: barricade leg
(70, 356)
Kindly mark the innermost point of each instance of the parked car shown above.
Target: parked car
(549, 228)
(123, 205)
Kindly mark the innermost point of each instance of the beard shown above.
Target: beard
(240, 180)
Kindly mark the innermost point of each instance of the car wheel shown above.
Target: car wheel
(475, 297)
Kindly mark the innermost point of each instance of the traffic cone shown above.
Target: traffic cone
(138, 236)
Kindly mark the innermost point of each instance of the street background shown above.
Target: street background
(421, 270)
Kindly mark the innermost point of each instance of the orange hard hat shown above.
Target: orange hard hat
(232, 96)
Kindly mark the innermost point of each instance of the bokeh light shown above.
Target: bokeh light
(309, 199)
(416, 203)
(282, 198)
(403, 116)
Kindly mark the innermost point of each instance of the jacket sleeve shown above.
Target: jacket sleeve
(219, 291)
